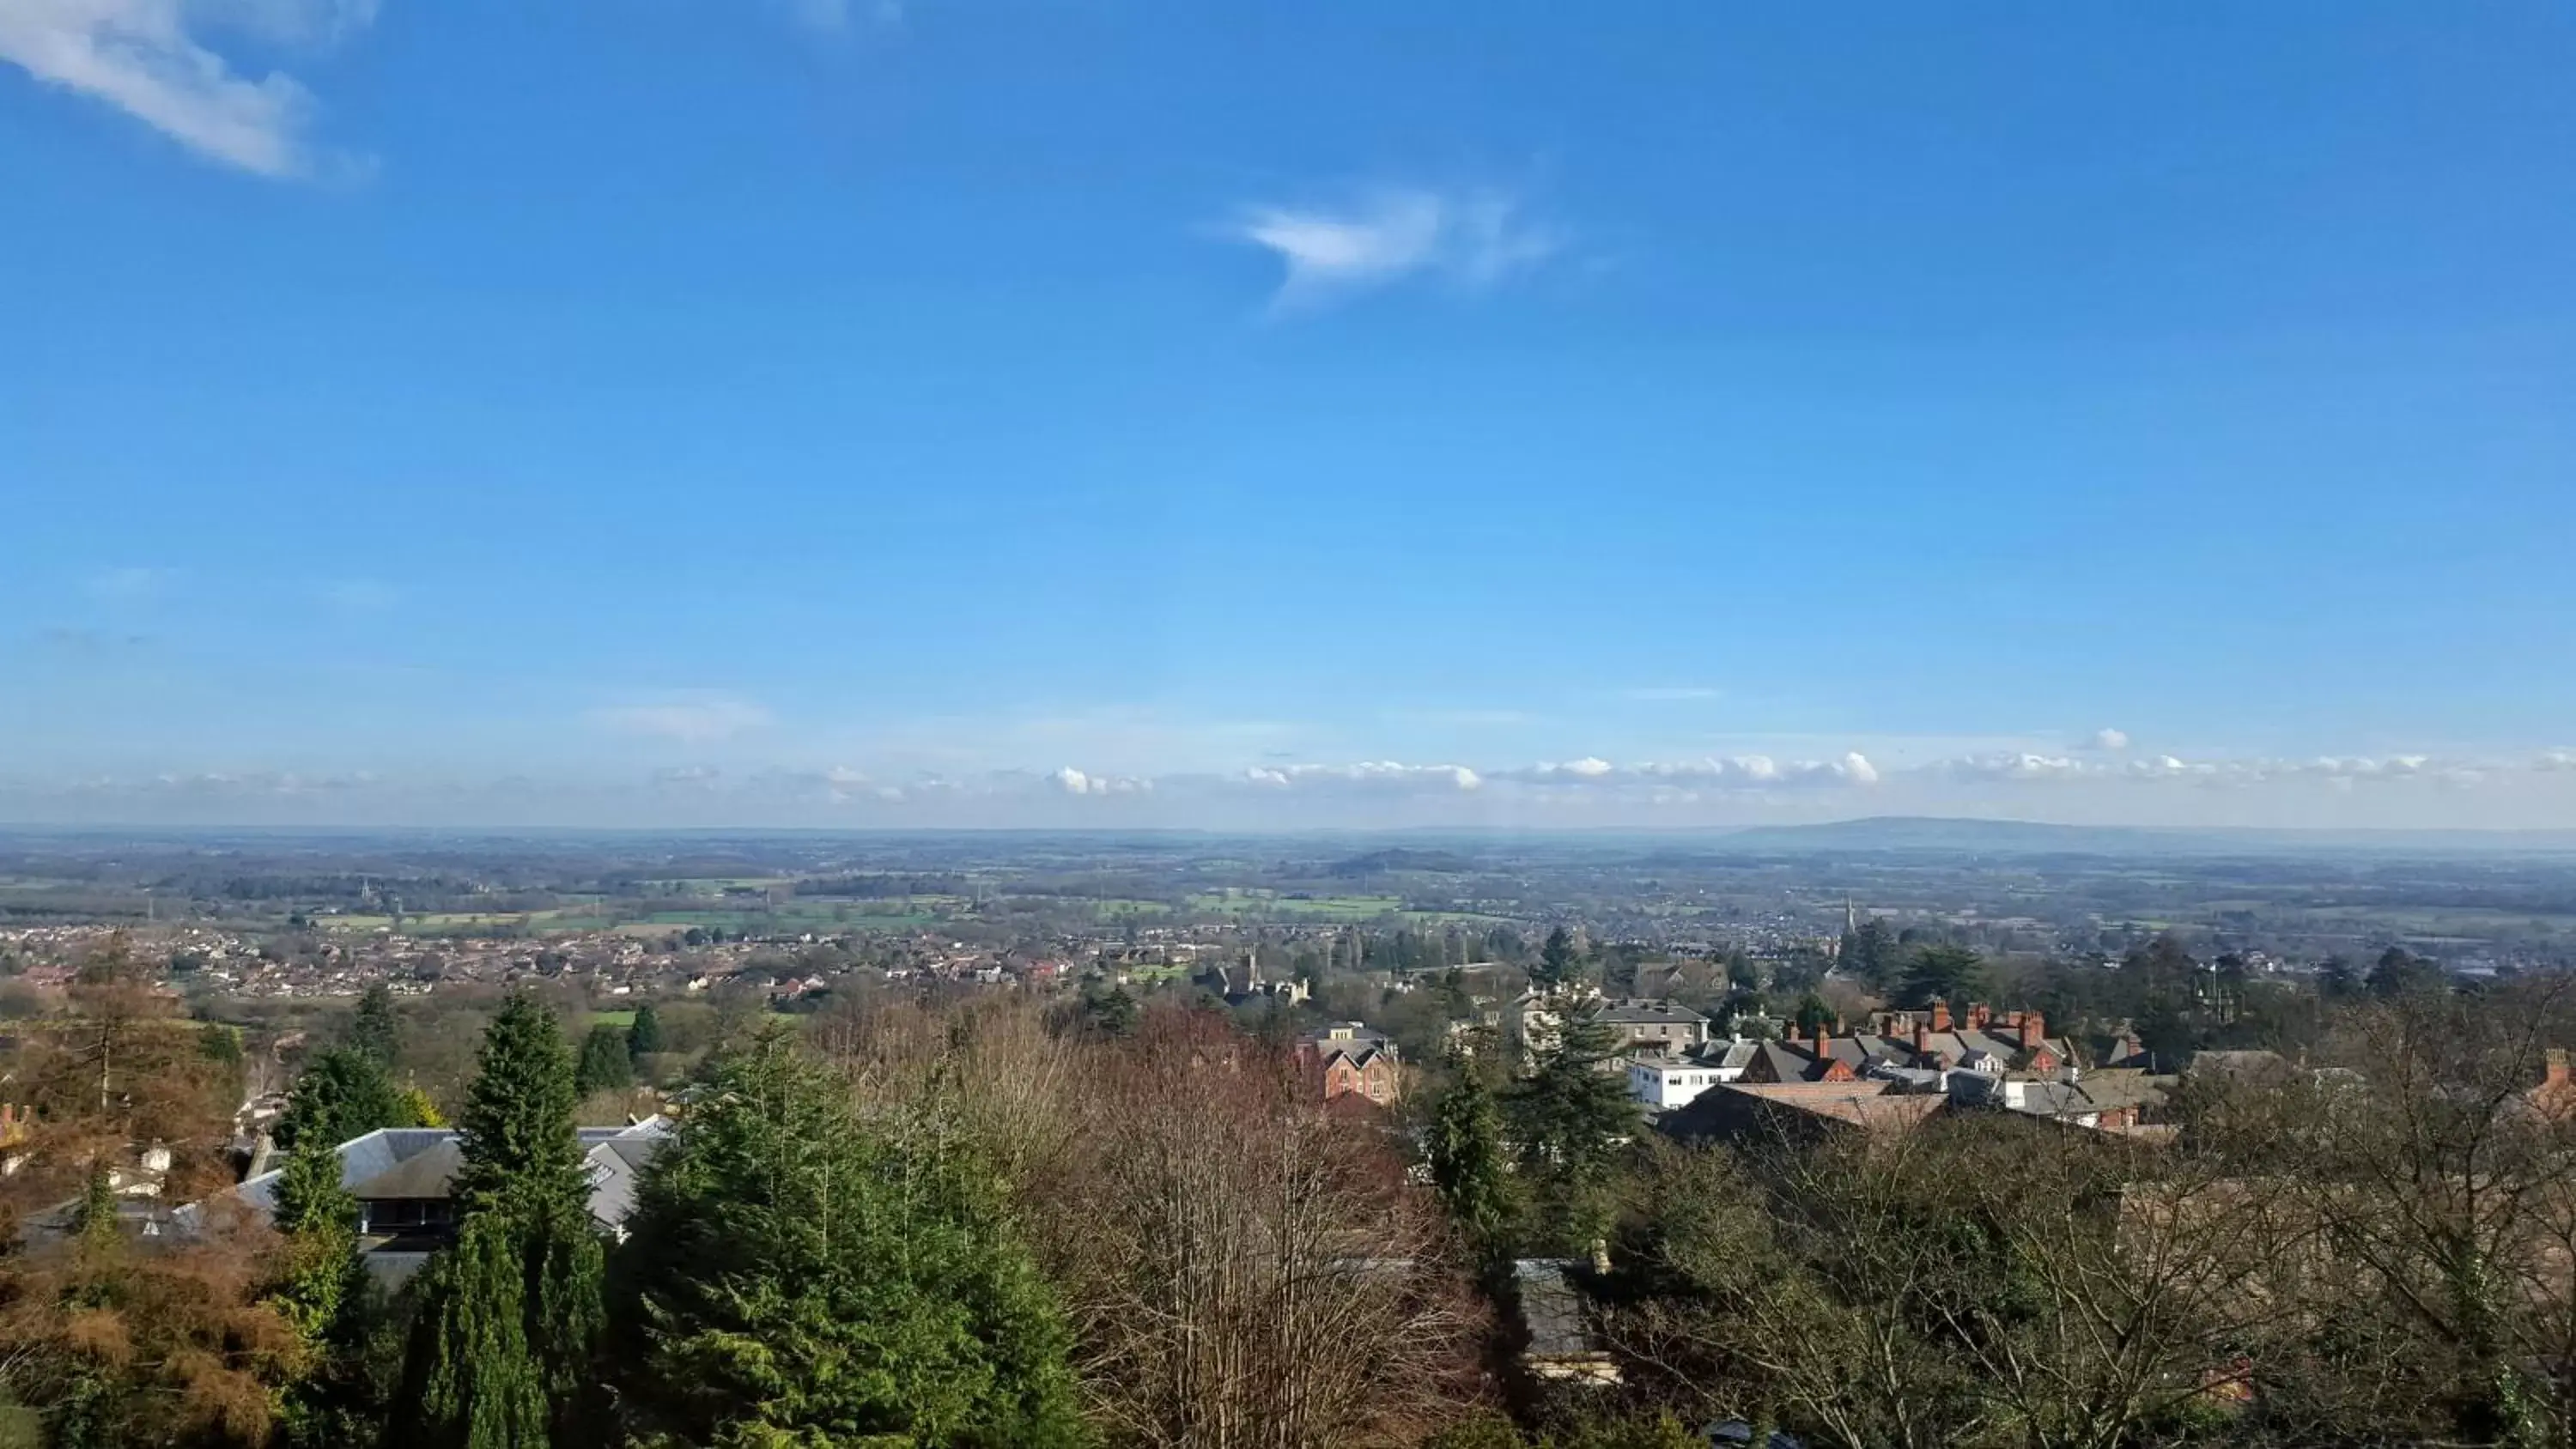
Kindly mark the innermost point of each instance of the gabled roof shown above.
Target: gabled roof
(1743, 1108)
(1735, 1054)
(424, 1174)
(1359, 1058)
(1783, 1063)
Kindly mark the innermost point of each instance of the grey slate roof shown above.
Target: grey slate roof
(1735, 1054)
(420, 1163)
(1643, 1012)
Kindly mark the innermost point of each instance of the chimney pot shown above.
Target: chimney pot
(1940, 1016)
(2553, 1072)
(2033, 1028)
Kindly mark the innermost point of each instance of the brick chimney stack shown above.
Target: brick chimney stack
(2033, 1028)
(1791, 1035)
(1824, 1041)
(1940, 1016)
(2553, 1071)
(1978, 1015)
(1922, 1039)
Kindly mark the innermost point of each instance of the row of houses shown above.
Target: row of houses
(1979, 1057)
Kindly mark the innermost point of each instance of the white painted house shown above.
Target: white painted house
(1662, 1081)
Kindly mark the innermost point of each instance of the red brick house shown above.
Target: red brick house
(1347, 1059)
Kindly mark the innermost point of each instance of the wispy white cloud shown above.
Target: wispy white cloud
(1591, 772)
(1758, 771)
(1590, 767)
(1076, 782)
(1473, 240)
(2111, 740)
(2243, 770)
(149, 58)
(1375, 774)
(2016, 767)
(2556, 760)
(689, 721)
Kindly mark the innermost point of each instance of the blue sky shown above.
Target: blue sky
(713, 412)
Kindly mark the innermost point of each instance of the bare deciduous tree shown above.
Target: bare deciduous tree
(1245, 1269)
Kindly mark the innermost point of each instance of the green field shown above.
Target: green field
(823, 917)
(1273, 906)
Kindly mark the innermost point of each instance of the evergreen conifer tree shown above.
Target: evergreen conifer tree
(501, 1344)
(1558, 963)
(796, 1276)
(643, 1034)
(1571, 1115)
(376, 1031)
(343, 1093)
(605, 1066)
(1467, 1167)
(1953, 974)
(320, 1289)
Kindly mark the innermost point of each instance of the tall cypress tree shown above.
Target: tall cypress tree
(643, 1034)
(501, 1346)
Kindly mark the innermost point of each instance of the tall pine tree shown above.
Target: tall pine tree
(1571, 1117)
(501, 1345)
(1559, 964)
(1467, 1166)
(797, 1276)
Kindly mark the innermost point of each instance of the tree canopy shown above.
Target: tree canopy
(344, 1092)
(1938, 972)
(798, 1276)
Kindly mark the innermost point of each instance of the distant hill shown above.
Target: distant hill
(1398, 858)
(1931, 832)
(2030, 837)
